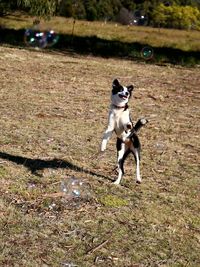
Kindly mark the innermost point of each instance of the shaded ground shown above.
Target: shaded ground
(53, 111)
(96, 46)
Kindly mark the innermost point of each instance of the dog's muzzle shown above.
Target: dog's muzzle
(123, 96)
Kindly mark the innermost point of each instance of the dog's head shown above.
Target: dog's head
(120, 94)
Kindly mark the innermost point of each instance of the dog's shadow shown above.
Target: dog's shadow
(35, 165)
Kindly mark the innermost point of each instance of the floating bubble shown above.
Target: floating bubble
(74, 188)
(140, 18)
(35, 38)
(167, 3)
(147, 52)
(40, 39)
(52, 206)
(160, 146)
(31, 186)
(51, 38)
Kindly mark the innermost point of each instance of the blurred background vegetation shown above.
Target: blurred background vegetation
(178, 14)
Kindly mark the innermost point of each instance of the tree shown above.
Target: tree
(159, 16)
(79, 10)
(183, 14)
(5, 6)
(105, 9)
(40, 8)
(128, 4)
(66, 8)
(175, 16)
(91, 10)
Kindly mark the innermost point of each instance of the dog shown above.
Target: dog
(119, 121)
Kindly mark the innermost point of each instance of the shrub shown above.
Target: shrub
(179, 17)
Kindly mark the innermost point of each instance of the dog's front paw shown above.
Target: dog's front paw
(144, 121)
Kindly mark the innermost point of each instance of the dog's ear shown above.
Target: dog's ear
(130, 88)
(115, 83)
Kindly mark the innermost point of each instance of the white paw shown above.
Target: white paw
(138, 181)
(103, 146)
(103, 149)
(116, 182)
(143, 121)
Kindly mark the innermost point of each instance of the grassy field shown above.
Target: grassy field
(54, 110)
(169, 38)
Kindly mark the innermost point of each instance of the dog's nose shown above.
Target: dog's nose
(126, 93)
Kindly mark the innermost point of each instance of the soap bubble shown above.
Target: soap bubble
(140, 18)
(147, 52)
(160, 146)
(35, 38)
(52, 206)
(167, 3)
(74, 188)
(51, 38)
(40, 39)
(31, 186)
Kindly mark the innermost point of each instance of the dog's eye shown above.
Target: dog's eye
(121, 89)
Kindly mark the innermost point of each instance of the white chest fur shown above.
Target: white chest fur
(120, 118)
(118, 121)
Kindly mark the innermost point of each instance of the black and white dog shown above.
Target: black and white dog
(119, 121)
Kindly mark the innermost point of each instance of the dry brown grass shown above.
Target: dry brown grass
(55, 106)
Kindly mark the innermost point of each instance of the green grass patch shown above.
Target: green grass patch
(113, 201)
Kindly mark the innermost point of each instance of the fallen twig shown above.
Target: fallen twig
(98, 246)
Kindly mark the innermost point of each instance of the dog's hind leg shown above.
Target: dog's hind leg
(135, 149)
(137, 159)
(122, 152)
